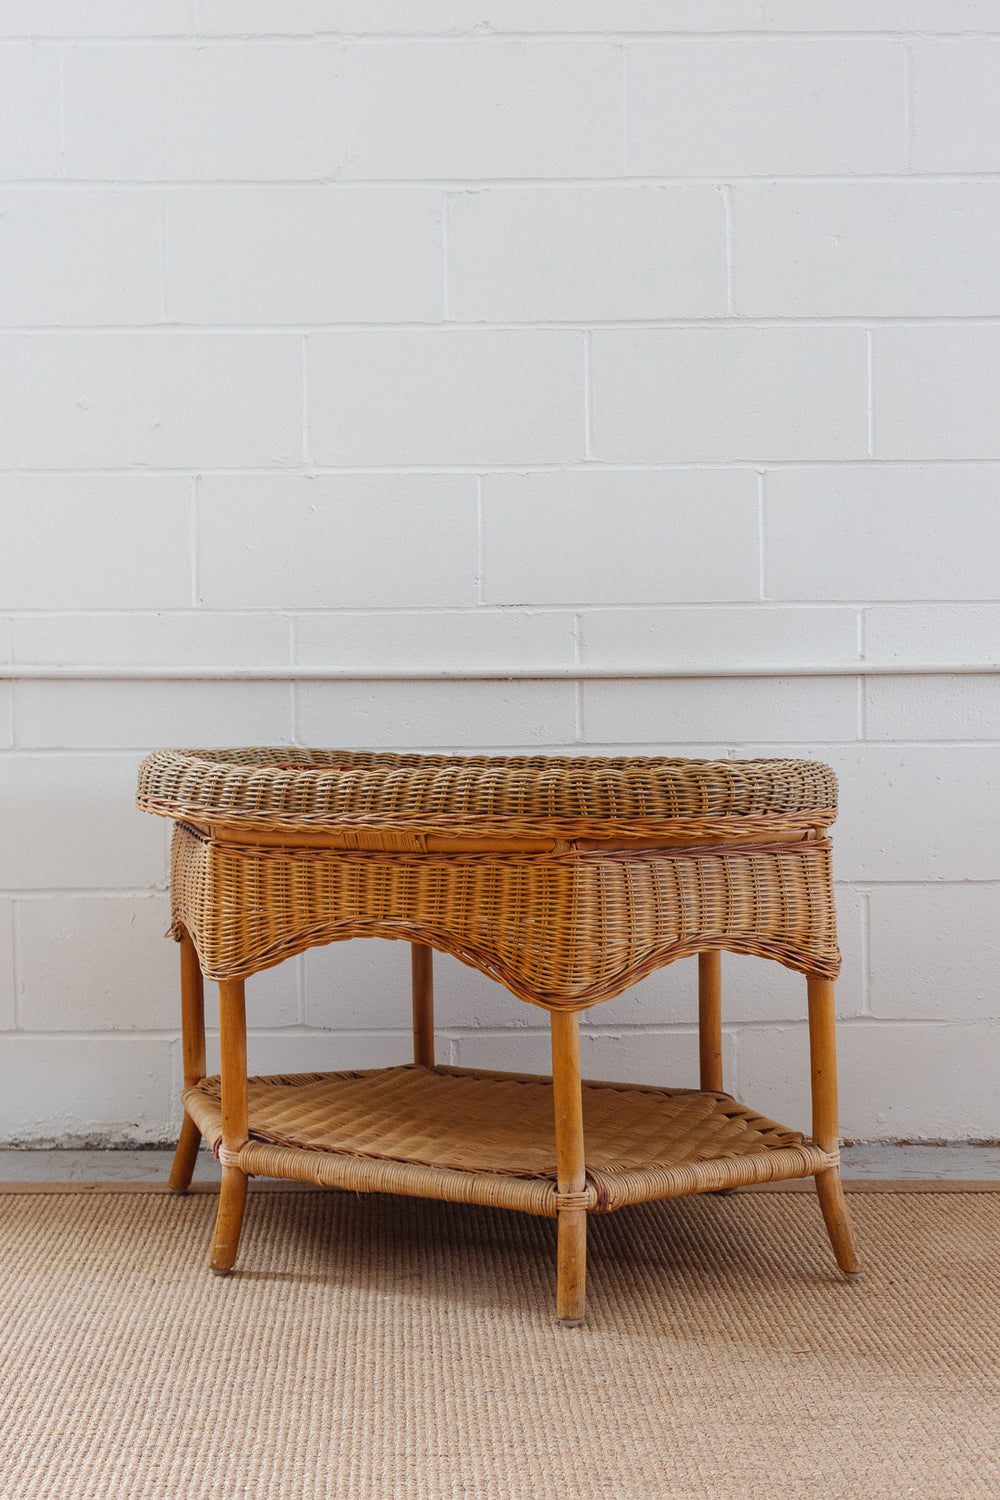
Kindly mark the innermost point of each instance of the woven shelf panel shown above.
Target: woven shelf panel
(489, 1122)
(557, 930)
(278, 788)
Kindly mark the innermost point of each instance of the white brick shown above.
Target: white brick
(7, 1014)
(484, 108)
(936, 952)
(456, 17)
(880, 15)
(933, 633)
(96, 963)
(667, 1058)
(98, 18)
(29, 111)
(775, 709)
(934, 391)
(148, 715)
(365, 983)
(84, 543)
(304, 255)
(83, 1091)
(956, 105)
(933, 708)
(711, 394)
(6, 640)
(70, 821)
(612, 538)
(358, 985)
(6, 715)
(244, 111)
(896, 1081)
(196, 638)
(175, 400)
(587, 252)
(703, 106)
(11, 444)
(902, 249)
(917, 812)
(359, 541)
(449, 397)
(300, 1051)
(718, 637)
(753, 989)
(114, 272)
(430, 638)
(882, 533)
(465, 715)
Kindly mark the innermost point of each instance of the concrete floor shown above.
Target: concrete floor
(952, 1160)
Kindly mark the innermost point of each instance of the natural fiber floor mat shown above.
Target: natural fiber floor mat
(394, 1349)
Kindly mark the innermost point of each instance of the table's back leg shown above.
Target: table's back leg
(422, 966)
(823, 1065)
(571, 1284)
(193, 1045)
(235, 1127)
(710, 1020)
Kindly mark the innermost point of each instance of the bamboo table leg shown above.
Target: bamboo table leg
(422, 965)
(710, 1020)
(193, 1044)
(823, 1064)
(571, 1282)
(235, 1130)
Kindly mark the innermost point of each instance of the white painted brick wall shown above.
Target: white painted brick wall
(446, 333)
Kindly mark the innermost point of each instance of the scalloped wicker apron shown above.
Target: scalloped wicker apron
(565, 879)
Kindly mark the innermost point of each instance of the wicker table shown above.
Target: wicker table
(565, 879)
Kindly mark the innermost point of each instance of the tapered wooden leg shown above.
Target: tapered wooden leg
(193, 1045)
(823, 1065)
(235, 1131)
(710, 1020)
(422, 965)
(571, 1265)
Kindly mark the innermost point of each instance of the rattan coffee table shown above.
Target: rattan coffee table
(566, 879)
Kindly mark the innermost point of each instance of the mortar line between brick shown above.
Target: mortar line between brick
(306, 450)
(480, 541)
(726, 191)
(908, 103)
(446, 253)
(587, 412)
(870, 375)
(161, 236)
(761, 518)
(15, 964)
(624, 106)
(866, 978)
(194, 541)
(61, 85)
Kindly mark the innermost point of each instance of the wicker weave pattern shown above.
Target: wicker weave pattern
(557, 930)
(641, 1142)
(586, 797)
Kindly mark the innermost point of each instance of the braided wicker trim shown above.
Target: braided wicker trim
(503, 796)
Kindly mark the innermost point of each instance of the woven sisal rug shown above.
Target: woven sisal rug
(391, 1349)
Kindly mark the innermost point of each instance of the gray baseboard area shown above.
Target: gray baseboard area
(949, 1160)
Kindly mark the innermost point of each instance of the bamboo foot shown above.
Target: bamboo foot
(571, 1285)
(830, 1190)
(185, 1156)
(228, 1220)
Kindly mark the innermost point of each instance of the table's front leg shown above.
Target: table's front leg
(235, 1127)
(193, 1046)
(571, 1286)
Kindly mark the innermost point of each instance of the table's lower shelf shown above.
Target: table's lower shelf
(477, 1137)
